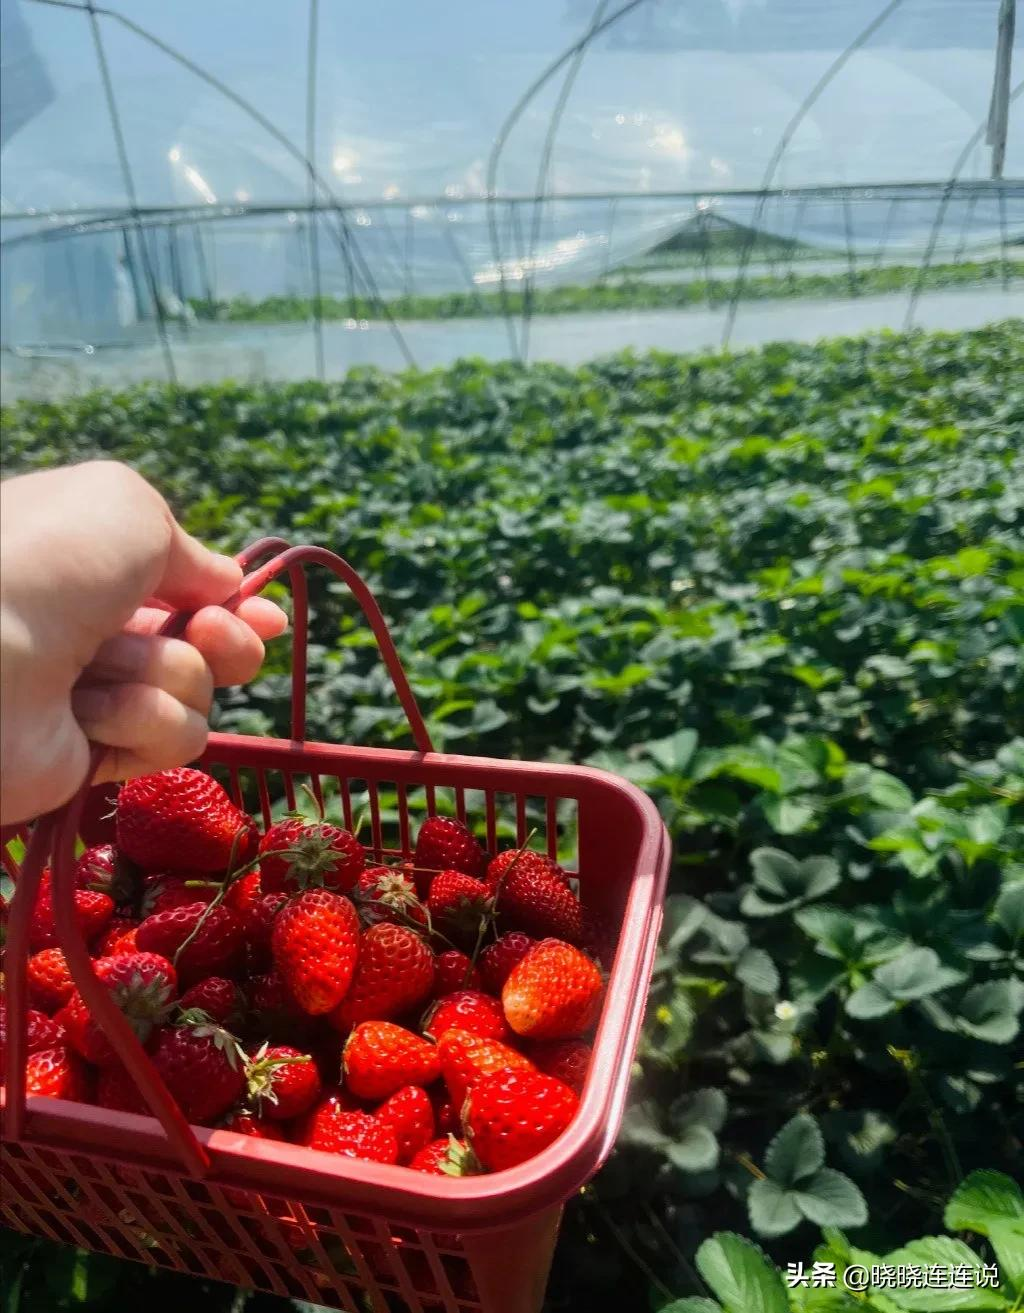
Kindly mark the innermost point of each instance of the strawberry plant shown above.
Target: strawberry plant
(783, 591)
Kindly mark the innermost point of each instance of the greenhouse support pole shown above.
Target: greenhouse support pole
(999, 108)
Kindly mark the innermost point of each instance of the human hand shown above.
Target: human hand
(91, 561)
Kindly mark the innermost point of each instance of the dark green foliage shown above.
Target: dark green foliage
(784, 592)
(625, 294)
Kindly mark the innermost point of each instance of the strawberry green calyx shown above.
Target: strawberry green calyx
(460, 1160)
(310, 857)
(261, 1072)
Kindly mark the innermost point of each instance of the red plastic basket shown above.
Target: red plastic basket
(278, 1217)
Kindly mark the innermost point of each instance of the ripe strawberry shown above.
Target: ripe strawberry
(445, 845)
(510, 1116)
(395, 974)
(283, 1082)
(100, 869)
(459, 905)
(446, 1115)
(553, 993)
(444, 1157)
(116, 1090)
(181, 820)
(388, 893)
(92, 913)
(202, 1066)
(118, 935)
(164, 893)
(523, 858)
(315, 942)
(529, 897)
(49, 980)
(55, 1074)
(568, 1060)
(250, 1123)
(498, 959)
(454, 970)
(143, 985)
(599, 938)
(274, 1010)
(257, 911)
(41, 1032)
(219, 998)
(295, 855)
(215, 944)
(465, 1058)
(351, 1134)
(410, 1114)
(380, 1057)
(469, 1010)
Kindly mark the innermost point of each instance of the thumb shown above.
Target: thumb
(193, 576)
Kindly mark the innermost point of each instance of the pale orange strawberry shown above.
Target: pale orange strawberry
(465, 1058)
(394, 975)
(315, 943)
(510, 1116)
(554, 992)
(380, 1057)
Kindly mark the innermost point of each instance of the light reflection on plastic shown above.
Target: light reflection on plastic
(200, 184)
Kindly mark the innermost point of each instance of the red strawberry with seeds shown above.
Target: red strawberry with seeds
(118, 934)
(100, 870)
(465, 1058)
(553, 993)
(116, 1090)
(445, 1157)
(568, 1060)
(49, 980)
(219, 998)
(54, 1074)
(274, 1010)
(163, 893)
(395, 974)
(143, 985)
(297, 855)
(202, 1066)
(41, 1032)
(525, 859)
(257, 911)
(380, 1057)
(388, 893)
(498, 959)
(201, 940)
(283, 1081)
(459, 905)
(529, 897)
(181, 820)
(510, 1116)
(93, 912)
(315, 943)
(410, 1114)
(250, 1123)
(444, 844)
(469, 1010)
(446, 1115)
(454, 970)
(351, 1134)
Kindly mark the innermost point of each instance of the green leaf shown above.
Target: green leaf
(944, 1252)
(989, 1012)
(915, 974)
(701, 1107)
(741, 1276)
(982, 1198)
(673, 754)
(757, 971)
(773, 1209)
(1009, 911)
(1007, 1241)
(889, 792)
(776, 872)
(694, 1150)
(796, 1152)
(869, 1001)
(830, 1198)
(691, 1304)
(788, 815)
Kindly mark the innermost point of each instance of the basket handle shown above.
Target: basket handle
(55, 833)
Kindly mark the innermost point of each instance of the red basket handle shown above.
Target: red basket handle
(55, 833)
